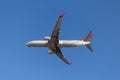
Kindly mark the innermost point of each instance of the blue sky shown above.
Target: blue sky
(25, 20)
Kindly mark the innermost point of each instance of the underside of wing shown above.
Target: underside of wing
(55, 33)
(57, 26)
(61, 56)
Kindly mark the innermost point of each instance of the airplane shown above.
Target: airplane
(54, 44)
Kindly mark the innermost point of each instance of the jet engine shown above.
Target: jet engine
(47, 38)
(50, 52)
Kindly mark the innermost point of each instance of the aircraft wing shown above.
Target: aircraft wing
(55, 40)
(55, 33)
(61, 56)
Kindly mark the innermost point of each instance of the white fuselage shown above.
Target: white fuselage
(62, 43)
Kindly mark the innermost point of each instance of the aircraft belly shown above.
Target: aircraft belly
(67, 44)
(37, 43)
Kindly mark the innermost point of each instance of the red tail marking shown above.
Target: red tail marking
(84, 39)
(91, 35)
(62, 15)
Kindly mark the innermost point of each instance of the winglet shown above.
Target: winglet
(62, 15)
(91, 35)
(70, 63)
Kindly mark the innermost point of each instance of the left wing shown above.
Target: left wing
(55, 33)
(54, 41)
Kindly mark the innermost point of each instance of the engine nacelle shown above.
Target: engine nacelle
(47, 38)
(50, 52)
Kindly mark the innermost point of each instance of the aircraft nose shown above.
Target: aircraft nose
(28, 44)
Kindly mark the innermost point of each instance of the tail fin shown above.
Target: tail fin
(87, 39)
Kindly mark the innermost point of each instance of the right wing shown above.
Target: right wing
(61, 56)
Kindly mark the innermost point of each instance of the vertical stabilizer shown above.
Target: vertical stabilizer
(87, 39)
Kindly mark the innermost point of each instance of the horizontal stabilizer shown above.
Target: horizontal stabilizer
(89, 47)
